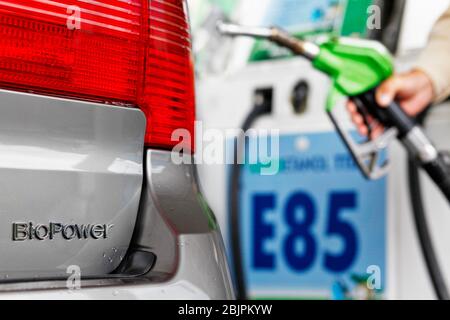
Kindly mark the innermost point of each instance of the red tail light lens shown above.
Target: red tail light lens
(130, 52)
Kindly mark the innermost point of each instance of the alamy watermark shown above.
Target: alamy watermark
(73, 281)
(74, 17)
(374, 278)
(213, 146)
(374, 17)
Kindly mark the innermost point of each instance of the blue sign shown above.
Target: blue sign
(317, 228)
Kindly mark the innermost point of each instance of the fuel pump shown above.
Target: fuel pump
(356, 68)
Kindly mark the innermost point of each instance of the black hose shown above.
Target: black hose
(263, 106)
(422, 229)
(439, 171)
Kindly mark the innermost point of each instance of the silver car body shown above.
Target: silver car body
(82, 163)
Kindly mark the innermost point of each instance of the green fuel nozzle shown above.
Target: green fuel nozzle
(356, 68)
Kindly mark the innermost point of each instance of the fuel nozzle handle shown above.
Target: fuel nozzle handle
(390, 116)
(412, 136)
(276, 35)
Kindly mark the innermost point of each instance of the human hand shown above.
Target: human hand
(412, 90)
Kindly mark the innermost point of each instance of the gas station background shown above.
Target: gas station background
(357, 228)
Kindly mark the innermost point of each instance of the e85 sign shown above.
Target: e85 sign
(315, 226)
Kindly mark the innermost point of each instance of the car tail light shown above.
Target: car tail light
(126, 52)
